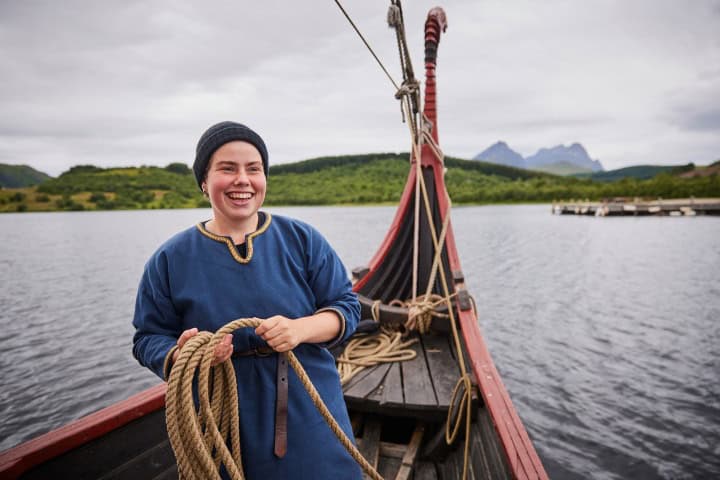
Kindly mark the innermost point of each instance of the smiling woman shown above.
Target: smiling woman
(235, 183)
(245, 263)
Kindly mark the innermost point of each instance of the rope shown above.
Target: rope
(409, 96)
(367, 45)
(369, 350)
(199, 437)
(421, 312)
(465, 376)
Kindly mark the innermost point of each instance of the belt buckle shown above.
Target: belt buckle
(261, 352)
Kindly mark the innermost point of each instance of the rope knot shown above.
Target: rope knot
(394, 16)
(407, 88)
(420, 315)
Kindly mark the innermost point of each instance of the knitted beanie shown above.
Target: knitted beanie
(217, 136)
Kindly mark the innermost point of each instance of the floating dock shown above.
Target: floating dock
(686, 207)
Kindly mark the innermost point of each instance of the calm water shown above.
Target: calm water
(606, 331)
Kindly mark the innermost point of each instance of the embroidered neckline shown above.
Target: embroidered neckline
(231, 246)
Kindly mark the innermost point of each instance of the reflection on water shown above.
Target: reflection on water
(605, 330)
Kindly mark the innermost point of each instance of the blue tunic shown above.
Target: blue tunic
(199, 279)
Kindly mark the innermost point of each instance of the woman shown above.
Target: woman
(247, 263)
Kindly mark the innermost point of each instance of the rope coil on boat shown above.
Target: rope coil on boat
(369, 350)
(199, 436)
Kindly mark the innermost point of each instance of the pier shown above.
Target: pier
(686, 207)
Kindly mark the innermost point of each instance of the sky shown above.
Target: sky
(136, 82)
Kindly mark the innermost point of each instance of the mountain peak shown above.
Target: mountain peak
(575, 154)
(501, 153)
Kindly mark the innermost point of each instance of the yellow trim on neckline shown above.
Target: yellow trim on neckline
(231, 246)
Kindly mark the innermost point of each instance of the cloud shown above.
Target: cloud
(137, 82)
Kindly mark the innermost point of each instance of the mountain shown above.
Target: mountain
(19, 176)
(501, 154)
(559, 160)
(575, 154)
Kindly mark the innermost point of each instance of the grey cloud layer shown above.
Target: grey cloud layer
(124, 83)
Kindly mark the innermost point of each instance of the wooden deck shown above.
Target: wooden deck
(418, 388)
(637, 207)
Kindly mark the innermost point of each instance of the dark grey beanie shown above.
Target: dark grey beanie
(217, 136)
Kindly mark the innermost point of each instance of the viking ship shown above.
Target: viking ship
(438, 410)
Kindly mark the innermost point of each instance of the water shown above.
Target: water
(605, 330)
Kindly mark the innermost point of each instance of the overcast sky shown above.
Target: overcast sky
(124, 83)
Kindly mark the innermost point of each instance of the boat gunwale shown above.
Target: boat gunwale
(21, 458)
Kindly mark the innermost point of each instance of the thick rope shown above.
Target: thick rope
(422, 312)
(199, 437)
(369, 350)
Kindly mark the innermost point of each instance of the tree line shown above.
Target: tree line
(356, 179)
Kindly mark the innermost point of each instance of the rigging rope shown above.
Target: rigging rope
(420, 133)
(465, 376)
(367, 45)
(199, 436)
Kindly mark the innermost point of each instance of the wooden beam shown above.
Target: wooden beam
(370, 446)
(411, 453)
(392, 450)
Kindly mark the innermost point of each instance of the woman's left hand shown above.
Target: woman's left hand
(281, 333)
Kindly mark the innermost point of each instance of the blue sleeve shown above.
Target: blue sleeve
(332, 288)
(157, 324)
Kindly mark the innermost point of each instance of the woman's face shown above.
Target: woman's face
(235, 184)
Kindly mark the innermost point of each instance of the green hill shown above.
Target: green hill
(18, 176)
(563, 169)
(640, 172)
(354, 179)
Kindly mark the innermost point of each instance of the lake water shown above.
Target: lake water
(606, 331)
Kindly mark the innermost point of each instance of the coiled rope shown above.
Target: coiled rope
(368, 350)
(200, 436)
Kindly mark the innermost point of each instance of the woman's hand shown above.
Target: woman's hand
(223, 350)
(284, 334)
(281, 333)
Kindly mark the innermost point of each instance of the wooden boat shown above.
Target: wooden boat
(399, 410)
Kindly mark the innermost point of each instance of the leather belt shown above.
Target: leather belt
(281, 395)
(281, 406)
(257, 351)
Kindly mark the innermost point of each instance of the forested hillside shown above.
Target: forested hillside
(356, 179)
(18, 176)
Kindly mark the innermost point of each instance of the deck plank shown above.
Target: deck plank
(393, 389)
(388, 467)
(370, 445)
(478, 450)
(359, 377)
(425, 471)
(444, 369)
(154, 460)
(417, 384)
(490, 441)
(408, 460)
(368, 384)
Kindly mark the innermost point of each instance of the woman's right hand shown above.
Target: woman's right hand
(223, 350)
